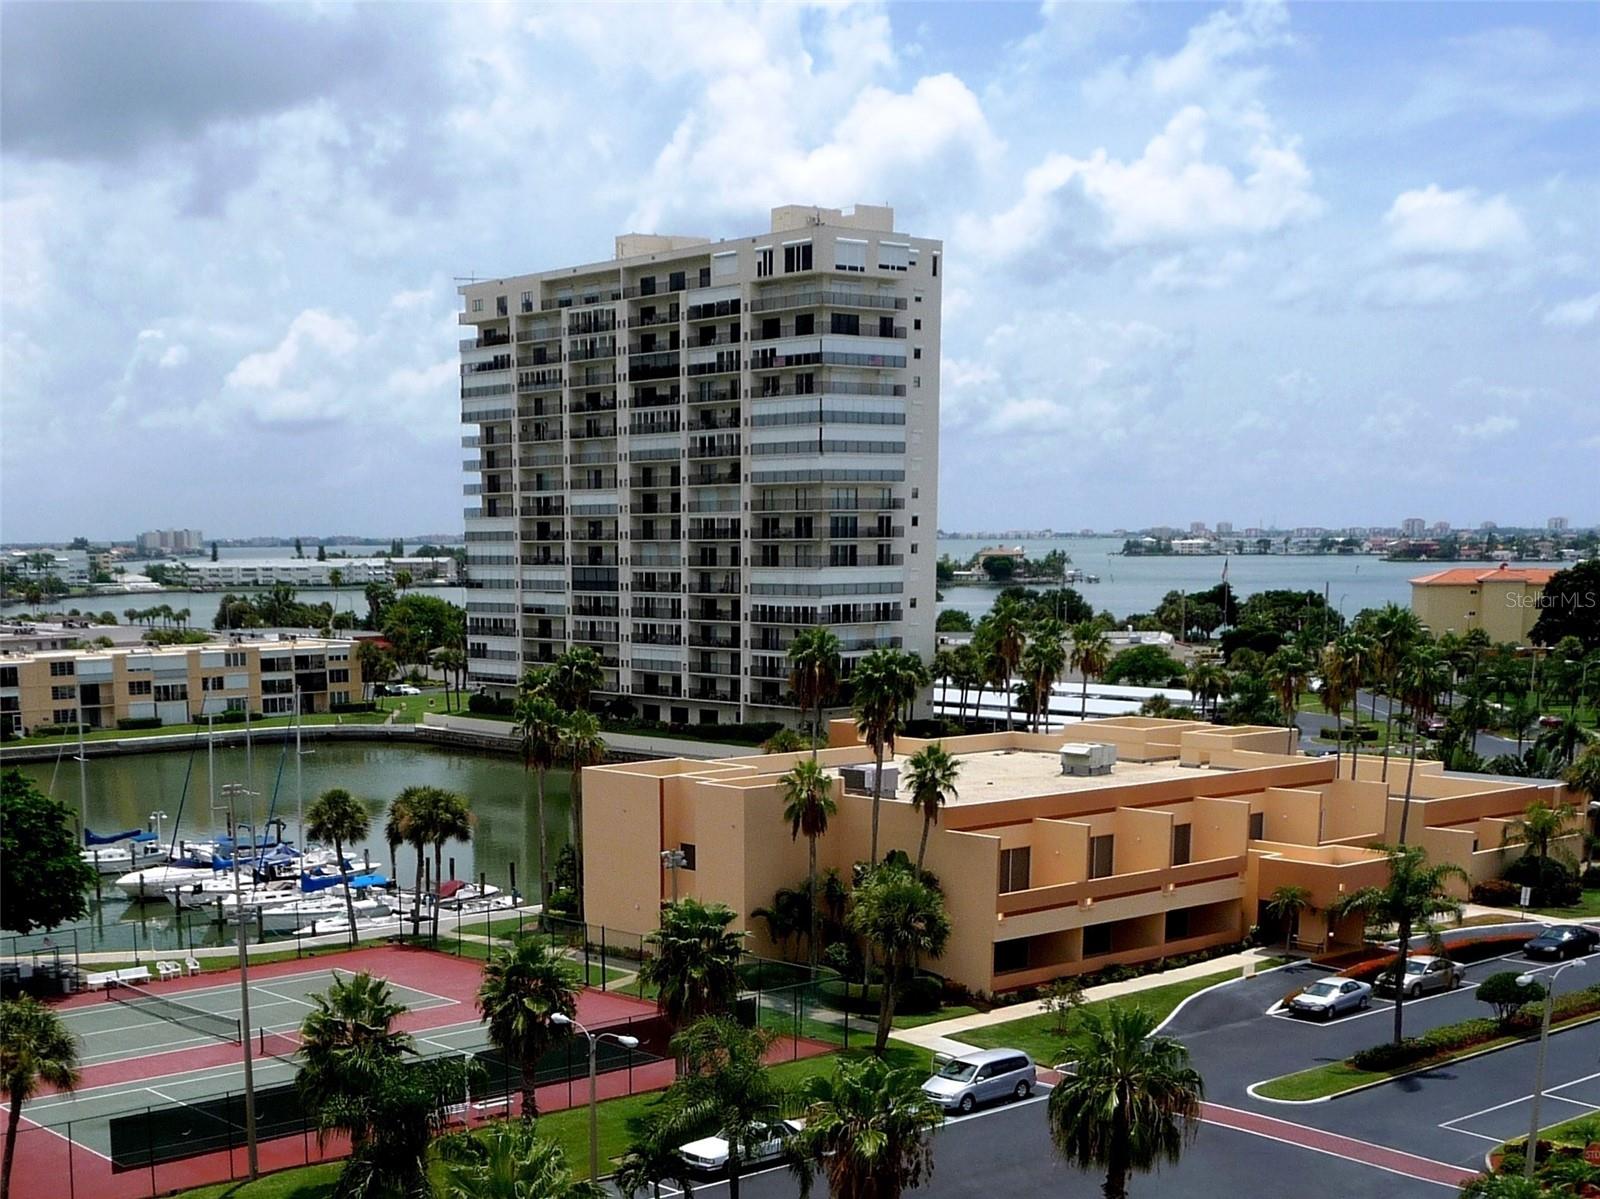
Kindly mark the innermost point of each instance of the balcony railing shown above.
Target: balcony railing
(819, 297)
(1119, 886)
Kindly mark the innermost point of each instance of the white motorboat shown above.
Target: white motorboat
(153, 882)
(456, 894)
(116, 857)
(323, 908)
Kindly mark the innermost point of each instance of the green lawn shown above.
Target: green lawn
(1587, 909)
(308, 1182)
(1037, 1036)
(946, 1013)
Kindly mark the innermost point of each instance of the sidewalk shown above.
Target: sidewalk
(937, 1036)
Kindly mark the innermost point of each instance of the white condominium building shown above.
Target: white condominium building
(685, 455)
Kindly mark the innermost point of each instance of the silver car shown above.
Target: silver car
(709, 1155)
(1423, 974)
(963, 1082)
(1327, 997)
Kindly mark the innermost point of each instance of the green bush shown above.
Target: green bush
(1506, 995)
(922, 994)
(1496, 893)
(1389, 1055)
(139, 722)
(490, 705)
(364, 706)
(47, 730)
(562, 902)
(1591, 877)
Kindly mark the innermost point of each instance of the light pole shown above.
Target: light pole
(1524, 980)
(627, 1042)
(231, 792)
(674, 860)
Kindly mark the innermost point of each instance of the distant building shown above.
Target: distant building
(1413, 526)
(1197, 528)
(1488, 526)
(1441, 527)
(72, 567)
(1503, 601)
(307, 572)
(1224, 528)
(171, 541)
(1556, 524)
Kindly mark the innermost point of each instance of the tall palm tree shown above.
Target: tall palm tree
(510, 1160)
(1583, 776)
(1285, 904)
(405, 1106)
(576, 674)
(1008, 622)
(993, 669)
(581, 746)
(36, 1049)
(346, 1041)
(1355, 651)
(903, 920)
(931, 776)
(1539, 828)
(1042, 663)
(650, 1161)
(694, 963)
(1133, 1103)
(445, 818)
(1395, 630)
(866, 1131)
(1413, 898)
(340, 817)
(878, 684)
(814, 674)
(404, 826)
(336, 581)
(524, 985)
(1091, 654)
(1417, 682)
(1335, 679)
(968, 673)
(1287, 674)
(539, 725)
(1207, 682)
(808, 806)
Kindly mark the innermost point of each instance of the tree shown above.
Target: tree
(322, 552)
(409, 821)
(1285, 905)
(814, 674)
(999, 567)
(724, 1089)
(575, 675)
(581, 746)
(405, 1107)
(379, 597)
(402, 580)
(1354, 651)
(787, 741)
(1506, 995)
(1208, 683)
(931, 776)
(1288, 674)
(440, 816)
(1133, 1103)
(1091, 652)
(903, 920)
(510, 1161)
(336, 581)
(348, 1040)
(417, 625)
(1567, 607)
(1539, 828)
(1413, 898)
(1144, 666)
(1042, 663)
(1395, 630)
(375, 665)
(1418, 682)
(43, 878)
(36, 1049)
(881, 682)
(524, 985)
(340, 817)
(650, 1161)
(953, 620)
(695, 963)
(866, 1131)
(539, 728)
(808, 806)
(1583, 776)
(1007, 622)
(213, 551)
(1335, 689)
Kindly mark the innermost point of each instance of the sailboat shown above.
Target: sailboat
(112, 853)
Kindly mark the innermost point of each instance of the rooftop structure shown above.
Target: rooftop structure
(1502, 600)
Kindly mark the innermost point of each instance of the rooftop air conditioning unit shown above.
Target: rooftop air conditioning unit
(1084, 758)
(860, 778)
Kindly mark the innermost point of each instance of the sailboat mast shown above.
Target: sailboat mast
(299, 781)
(211, 768)
(83, 790)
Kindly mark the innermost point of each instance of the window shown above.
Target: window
(687, 849)
(804, 323)
(68, 692)
(61, 669)
(212, 684)
(916, 352)
(1096, 940)
(1180, 844)
(914, 520)
(338, 676)
(916, 322)
(1102, 856)
(1177, 924)
(763, 261)
(139, 687)
(850, 255)
(914, 491)
(1258, 826)
(916, 381)
(233, 659)
(724, 265)
(845, 322)
(796, 257)
(935, 266)
(527, 301)
(169, 692)
(894, 256)
(675, 281)
(913, 547)
(8, 676)
(64, 716)
(1015, 865)
(477, 304)
(1010, 955)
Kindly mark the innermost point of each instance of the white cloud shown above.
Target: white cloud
(1197, 270)
(1422, 286)
(1490, 428)
(313, 330)
(173, 356)
(1434, 221)
(1574, 314)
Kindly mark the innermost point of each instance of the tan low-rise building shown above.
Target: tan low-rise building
(1174, 847)
(174, 684)
(1503, 601)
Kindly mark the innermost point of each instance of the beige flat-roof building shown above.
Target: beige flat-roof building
(1501, 600)
(1172, 848)
(684, 455)
(174, 684)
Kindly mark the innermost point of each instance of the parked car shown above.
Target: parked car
(963, 1082)
(709, 1155)
(1328, 997)
(1434, 725)
(1551, 722)
(403, 689)
(1423, 974)
(1563, 941)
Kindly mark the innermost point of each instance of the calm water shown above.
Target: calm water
(122, 792)
(1129, 585)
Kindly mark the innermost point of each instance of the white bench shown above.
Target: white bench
(169, 970)
(99, 981)
(134, 974)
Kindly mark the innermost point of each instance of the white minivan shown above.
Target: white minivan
(963, 1082)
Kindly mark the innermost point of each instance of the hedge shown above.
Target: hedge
(127, 723)
(1453, 1038)
(922, 994)
(363, 706)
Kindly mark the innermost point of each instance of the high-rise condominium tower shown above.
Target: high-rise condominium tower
(685, 455)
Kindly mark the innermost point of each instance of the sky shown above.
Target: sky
(1327, 264)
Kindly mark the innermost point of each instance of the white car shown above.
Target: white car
(404, 689)
(710, 1154)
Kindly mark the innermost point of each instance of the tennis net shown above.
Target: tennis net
(226, 1028)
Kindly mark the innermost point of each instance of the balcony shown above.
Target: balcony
(713, 530)
(726, 584)
(771, 388)
(540, 357)
(600, 295)
(656, 610)
(540, 333)
(707, 420)
(714, 447)
(669, 317)
(601, 403)
(543, 559)
(714, 693)
(643, 426)
(488, 338)
(723, 364)
(786, 533)
(591, 377)
(589, 353)
(714, 613)
(712, 476)
(662, 690)
(667, 638)
(826, 298)
(711, 395)
(705, 640)
(530, 381)
(594, 606)
(586, 324)
(1118, 896)
(708, 664)
(713, 310)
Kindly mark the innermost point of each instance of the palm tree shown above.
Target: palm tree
(539, 726)
(1007, 621)
(1287, 674)
(903, 919)
(786, 741)
(347, 1041)
(1583, 776)
(1133, 1103)
(1207, 681)
(695, 964)
(581, 746)
(405, 1107)
(510, 1161)
(524, 985)
(878, 684)
(931, 776)
(340, 817)
(336, 581)
(1394, 631)
(1042, 663)
(1335, 689)
(1285, 904)
(808, 806)
(36, 1049)
(1355, 652)
(445, 817)
(724, 1089)
(1538, 829)
(1418, 682)
(575, 675)
(403, 826)
(814, 674)
(1415, 895)
(866, 1131)
(1091, 653)
(967, 669)
(993, 670)
(402, 580)
(649, 1162)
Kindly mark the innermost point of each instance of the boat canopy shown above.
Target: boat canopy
(90, 837)
(311, 882)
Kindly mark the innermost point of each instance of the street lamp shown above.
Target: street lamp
(232, 792)
(674, 860)
(627, 1042)
(1524, 980)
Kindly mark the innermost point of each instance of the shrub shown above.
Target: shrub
(1591, 877)
(490, 705)
(139, 722)
(363, 706)
(1506, 995)
(1389, 1055)
(47, 730)
(562, 902)
(1496, 893)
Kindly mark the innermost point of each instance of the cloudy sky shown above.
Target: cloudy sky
(1309, 265)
